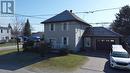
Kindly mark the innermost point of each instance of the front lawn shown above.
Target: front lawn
(70, 61)
(7, 44)
(4, 52)
(34, 61)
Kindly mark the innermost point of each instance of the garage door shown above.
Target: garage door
(104, 44)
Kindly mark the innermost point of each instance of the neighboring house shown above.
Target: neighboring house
(66, 30)
(5, 34)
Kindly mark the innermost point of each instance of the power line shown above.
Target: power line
(39, 16)
(101, 23)
(29, 16)
(99, 10)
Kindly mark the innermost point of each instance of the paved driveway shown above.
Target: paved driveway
(98, 63)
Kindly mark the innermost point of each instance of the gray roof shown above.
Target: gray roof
(64, 16)
(101, 31)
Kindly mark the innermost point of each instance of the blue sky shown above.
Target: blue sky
(41, 7)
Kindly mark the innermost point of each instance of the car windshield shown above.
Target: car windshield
(120, 54)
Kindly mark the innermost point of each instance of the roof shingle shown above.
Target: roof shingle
(64, 16)
(101, 31)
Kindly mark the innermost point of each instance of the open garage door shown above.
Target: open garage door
(102, 44)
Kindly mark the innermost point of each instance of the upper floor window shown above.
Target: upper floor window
(1, 31)
(52, 27)
(65, 26)
(7, 31)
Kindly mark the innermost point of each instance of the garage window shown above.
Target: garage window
(104, 43)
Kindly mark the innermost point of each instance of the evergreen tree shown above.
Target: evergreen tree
(10, 27)
(122, 23)
(27, 29)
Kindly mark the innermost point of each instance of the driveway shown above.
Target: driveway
(98, 63)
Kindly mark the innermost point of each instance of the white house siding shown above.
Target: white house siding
(80, 28)
(58, 34)
(4, 35)
(74, 34)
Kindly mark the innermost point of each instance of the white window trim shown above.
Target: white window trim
(67, 40)
(50, 27)
(63, 26)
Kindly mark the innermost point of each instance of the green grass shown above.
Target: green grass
(4, 52)
(70, 61)
(11, 56)
(7, 44)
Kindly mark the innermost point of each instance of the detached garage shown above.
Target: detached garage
(100, 38)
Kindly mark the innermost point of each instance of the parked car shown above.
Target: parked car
(34, 38)
(119, 57)
(31, 42)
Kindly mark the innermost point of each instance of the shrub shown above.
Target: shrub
(44, 48)
(64, 51)
(28, 45)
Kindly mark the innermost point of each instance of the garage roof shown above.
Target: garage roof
(101, 31)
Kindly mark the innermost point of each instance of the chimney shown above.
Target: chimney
(71, 11)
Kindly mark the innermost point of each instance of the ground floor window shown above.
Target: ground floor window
(52, 42)
(87, 42)
(65, 40)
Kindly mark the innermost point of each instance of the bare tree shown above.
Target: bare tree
(18, 24)
(17, 27)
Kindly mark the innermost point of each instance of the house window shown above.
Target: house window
(64, 27)
(65, 40)
(87, 42)
(1, 31)
(7, 31)
(52, 42)
(52, 27)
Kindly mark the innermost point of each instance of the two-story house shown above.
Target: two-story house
(5, 34)
(65, 30)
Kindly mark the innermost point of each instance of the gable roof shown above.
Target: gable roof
(102, 32)
(64, 16)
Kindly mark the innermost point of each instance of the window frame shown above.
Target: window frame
(67, 41)
(50, 27)
(1, 30)
(7, 30)
(66, 25)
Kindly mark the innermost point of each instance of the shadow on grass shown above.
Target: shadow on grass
(13, 61)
